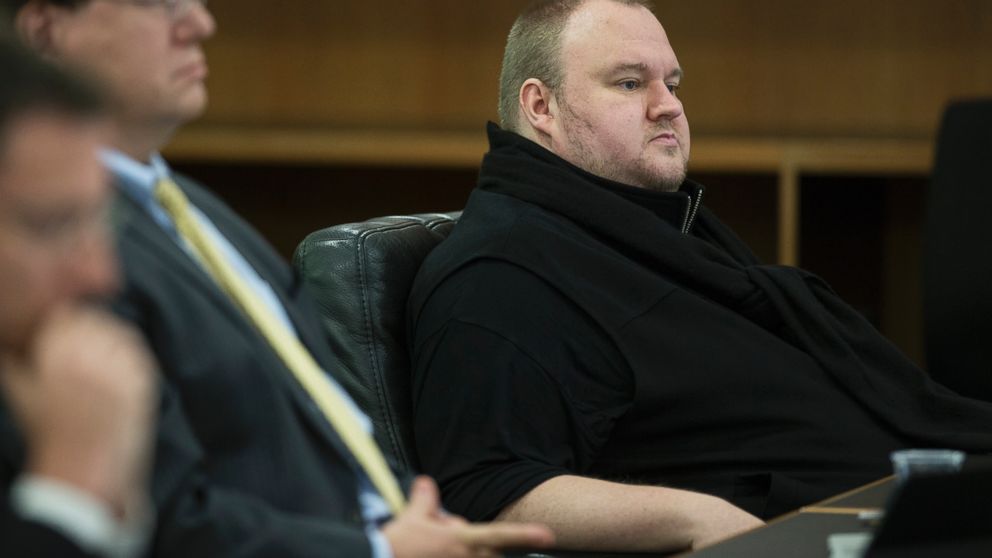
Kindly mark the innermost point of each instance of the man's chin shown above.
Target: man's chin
(668, 180)
(192, 104)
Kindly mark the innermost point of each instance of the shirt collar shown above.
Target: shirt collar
(134, 175)
(137, 181)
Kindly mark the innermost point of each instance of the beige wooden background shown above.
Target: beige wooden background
(324, 111)
(755, 68)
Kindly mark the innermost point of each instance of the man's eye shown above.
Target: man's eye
(673, 88)
(629, 85)
(47, 228)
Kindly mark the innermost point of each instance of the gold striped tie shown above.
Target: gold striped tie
(296, 357)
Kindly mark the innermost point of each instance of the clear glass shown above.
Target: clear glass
(913, 462)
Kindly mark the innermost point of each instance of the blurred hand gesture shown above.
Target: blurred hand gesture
(424, 530)
(83, 395)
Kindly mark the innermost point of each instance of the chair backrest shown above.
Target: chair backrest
(361, 274)
(957, 272)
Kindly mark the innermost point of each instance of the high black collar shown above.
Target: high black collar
(679, 208)
(712, 263)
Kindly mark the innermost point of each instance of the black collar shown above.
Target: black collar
(678, 209)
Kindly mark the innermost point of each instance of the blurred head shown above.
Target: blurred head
(55, 243)
(595, 81)
(146, 53)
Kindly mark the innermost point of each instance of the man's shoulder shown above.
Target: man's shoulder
(507, 257)
(492, 244)
(499, 227)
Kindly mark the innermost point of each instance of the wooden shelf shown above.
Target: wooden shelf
(812, 155)
(313, 121)
(787, 158)
(460, 148)
(375, 172)
(790, 159)
(326, 146)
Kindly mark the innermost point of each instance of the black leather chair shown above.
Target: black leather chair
(361, 274)
(957, 254)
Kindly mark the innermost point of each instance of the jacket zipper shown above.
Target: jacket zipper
(692, 212)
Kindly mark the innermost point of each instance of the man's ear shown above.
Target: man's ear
(538, 108)
(34, 24)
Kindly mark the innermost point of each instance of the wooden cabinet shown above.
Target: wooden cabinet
(813, 122)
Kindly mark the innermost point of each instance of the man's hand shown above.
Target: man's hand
(83, 395)
(424, 530)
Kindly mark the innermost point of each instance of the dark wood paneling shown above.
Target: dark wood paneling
(754, 67)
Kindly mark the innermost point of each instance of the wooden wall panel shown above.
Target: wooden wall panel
(353, 64)
(883, 68)
(845, 67)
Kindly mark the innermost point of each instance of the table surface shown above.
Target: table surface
(804, 532)
(800, 533)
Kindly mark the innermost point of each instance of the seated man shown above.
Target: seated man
(76, 382)
(259, 451)
(594, 349)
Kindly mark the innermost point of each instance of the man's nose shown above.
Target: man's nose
(196, 23)
(663, 104)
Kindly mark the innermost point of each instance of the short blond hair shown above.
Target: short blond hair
(533, 50)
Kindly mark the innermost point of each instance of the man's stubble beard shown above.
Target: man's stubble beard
(577, 129)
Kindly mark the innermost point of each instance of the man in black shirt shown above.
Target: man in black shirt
(592, 348)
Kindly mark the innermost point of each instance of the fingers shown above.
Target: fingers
(506, 535)
(424, 497)
(94, 346)
(424, 529)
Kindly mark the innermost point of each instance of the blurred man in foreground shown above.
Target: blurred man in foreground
(260, 451)
(76, 385)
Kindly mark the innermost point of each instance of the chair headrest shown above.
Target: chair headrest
(361, 274)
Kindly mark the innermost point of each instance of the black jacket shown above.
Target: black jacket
(29, 540)
(574, 325)
(20, 538)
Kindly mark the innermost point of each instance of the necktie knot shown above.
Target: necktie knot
(171, 197)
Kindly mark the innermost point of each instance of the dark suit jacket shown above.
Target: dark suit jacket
(28, 539)
(246, 465)
(17, 536)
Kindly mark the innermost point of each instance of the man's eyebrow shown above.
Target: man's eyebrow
(643, 68)
(630, 67)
